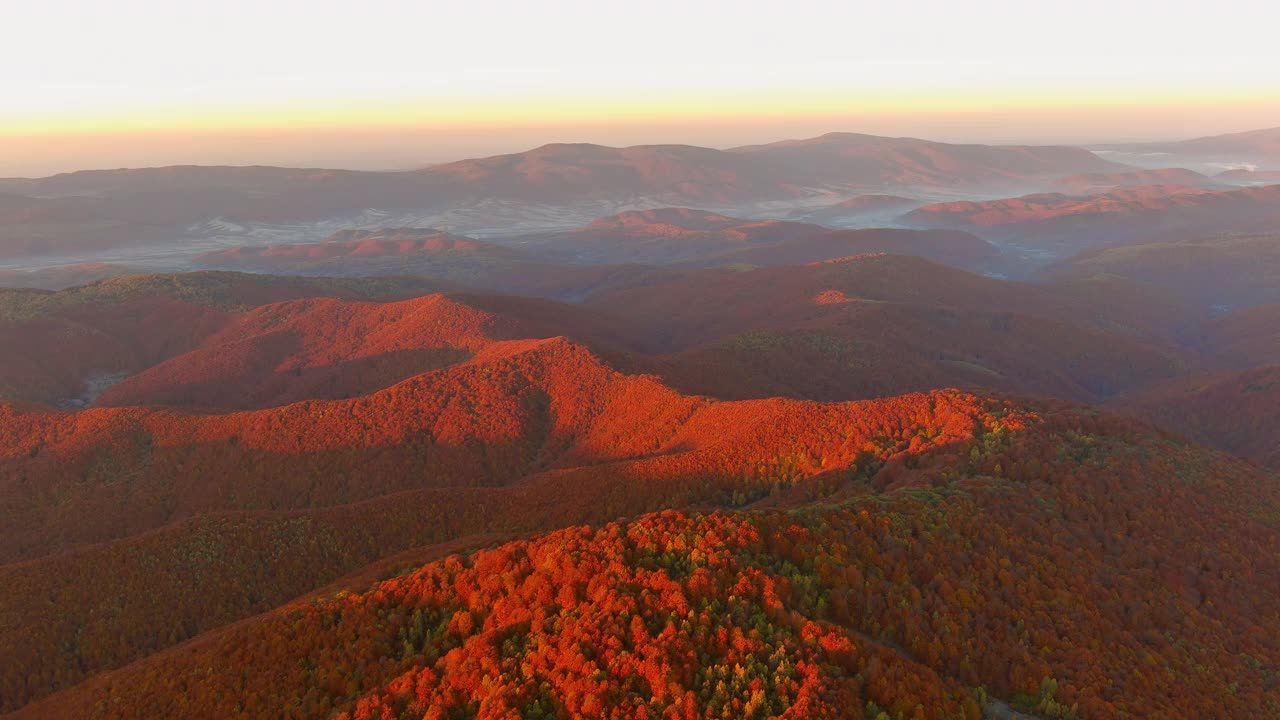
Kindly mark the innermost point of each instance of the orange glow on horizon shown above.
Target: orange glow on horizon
(546, 112)
(405, 135)
(136, 77)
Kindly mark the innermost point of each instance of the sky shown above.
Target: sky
(391, 84)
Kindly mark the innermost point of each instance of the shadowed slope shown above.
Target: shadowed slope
(443, 258)
(859, 211)
(663, 236)
(1224, 272)
(392, 251)
(946, 247)
(861, 350)
(1245, 338)
(1236, 412)
(699, 238)
(876, 325)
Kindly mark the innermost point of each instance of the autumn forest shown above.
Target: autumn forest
(845, 427)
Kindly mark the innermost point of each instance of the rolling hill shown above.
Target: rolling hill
(328, 348)
(876, 163)
(450, 261)
(388, 251)
(699, 238)
(582, 171)
(63, 347)
(1094, 183)
(678, 311)
(750, 173)
(663, 236)
(609, 253)
(945, 247)
(859, 210)
(311, 349)
(881, 325)
(1060, 224)
(1254, 147)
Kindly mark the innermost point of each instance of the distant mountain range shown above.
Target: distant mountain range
(1252, 144)
(1256, 149)
(106, 209)
(842, 179)
(574, 172)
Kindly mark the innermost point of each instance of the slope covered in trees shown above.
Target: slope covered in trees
(871, 350)
(395, 251)
(925, 590)
(1088, 183)
(177, 517)
(665, 235)
(320, 348)
(874, 325)
(945, 247)
(1245, 338)
(860, 209)
(1233, 411)
(273, 436)
(1224, 272)
(878, 163)
(58, 343)
(684, 302)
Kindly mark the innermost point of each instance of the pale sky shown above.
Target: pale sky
(385, 83)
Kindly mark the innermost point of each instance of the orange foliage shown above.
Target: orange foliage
(1068, 591)
(529, 435)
